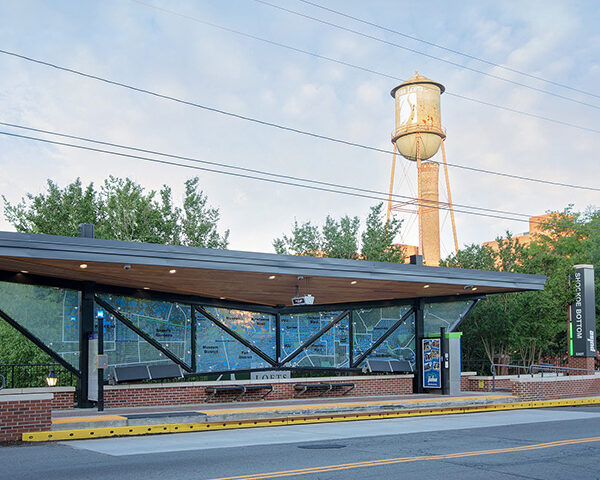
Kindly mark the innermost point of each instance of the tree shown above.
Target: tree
(121, 210)
(530, 326)
(340, 238)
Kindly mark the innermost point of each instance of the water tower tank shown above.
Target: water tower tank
(418, 119)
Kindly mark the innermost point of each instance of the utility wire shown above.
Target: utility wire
(457, 52)
(280, 182)
(412, 50)
(359, 67)
(252, 170)
(280, 126)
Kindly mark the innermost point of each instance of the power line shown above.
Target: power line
(280, 182)
(359, 67)
(280, 126)
(250, 170)
(412, 50)
(457, 52)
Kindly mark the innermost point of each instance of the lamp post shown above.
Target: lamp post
(52, 379)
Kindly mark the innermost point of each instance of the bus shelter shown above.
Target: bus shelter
(221, 311)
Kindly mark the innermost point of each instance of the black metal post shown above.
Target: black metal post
(419, 310)
(100, 320)
(278, 338)
(193, 363)
(86, 328)
(351, 338)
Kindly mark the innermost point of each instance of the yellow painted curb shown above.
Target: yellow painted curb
(300, 420)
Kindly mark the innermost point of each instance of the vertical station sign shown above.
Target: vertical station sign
(582, 314)
(432, 368)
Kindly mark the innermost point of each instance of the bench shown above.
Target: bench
(242, 389)
(131, 374)
(326, 387)
(136, 373)
(389, 366)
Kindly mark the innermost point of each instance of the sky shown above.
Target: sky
(178, 54)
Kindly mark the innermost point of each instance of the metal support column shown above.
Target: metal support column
(100, 320)
(351, 338)
(86, 328)
(193, 360)
(419, 310)
(278, 338)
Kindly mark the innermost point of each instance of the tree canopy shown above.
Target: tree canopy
(341, 238)
(530, 326)
(121, 210)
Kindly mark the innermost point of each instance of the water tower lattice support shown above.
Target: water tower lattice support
(449, 197)
(389, 209)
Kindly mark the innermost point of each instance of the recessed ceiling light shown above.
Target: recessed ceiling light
(474, 288)
(83, 265)
(425, 286)
(272, 277)
(353, 282)
(24, 271)
(146, 288)
(221, 298)
(172, 271)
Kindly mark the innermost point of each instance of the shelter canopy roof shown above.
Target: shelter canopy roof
(248, 277)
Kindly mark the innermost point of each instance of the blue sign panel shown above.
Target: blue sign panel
(432, 369)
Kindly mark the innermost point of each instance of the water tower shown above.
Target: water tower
(417, 137)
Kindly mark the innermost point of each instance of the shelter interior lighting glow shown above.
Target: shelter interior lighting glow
(172, 271)
(83, 265)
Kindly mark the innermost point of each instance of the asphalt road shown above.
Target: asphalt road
(527, 444)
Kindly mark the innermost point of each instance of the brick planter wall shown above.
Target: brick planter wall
(464, 380)
(63, 397)
(24, 413)
(147, 395)
(485, 384)
(549, 388)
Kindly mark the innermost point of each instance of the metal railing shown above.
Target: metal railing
(564, 370)
(24, 375)
(508, 366)
(2, 382)
(532, 369)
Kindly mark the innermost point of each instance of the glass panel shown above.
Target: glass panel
(370, 324)
(216, 350)
(48, 313)
(124, 347)
(329, 350)
(167, 323)
(437, 315)
(257, 328)
(400, 345)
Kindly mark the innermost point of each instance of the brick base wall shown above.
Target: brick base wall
(550, 388)
(147, 395)
(485, 384)
(587, 363)
(24, 413)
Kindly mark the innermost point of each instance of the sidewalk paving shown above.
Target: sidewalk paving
(266, 409)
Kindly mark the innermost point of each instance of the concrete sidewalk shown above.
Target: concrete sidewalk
(261, 410)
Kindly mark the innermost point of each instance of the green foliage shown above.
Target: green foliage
(340, 238)
(526, 327)
(121, 210)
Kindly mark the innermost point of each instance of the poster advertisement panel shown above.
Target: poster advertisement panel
(432, 368)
